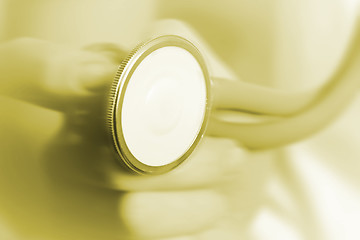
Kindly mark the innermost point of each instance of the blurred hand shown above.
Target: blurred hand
(59, 178)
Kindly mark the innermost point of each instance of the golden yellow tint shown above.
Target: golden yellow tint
(281, 71)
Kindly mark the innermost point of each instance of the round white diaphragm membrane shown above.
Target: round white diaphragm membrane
(164, 106)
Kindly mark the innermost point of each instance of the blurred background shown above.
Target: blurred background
(313, 187)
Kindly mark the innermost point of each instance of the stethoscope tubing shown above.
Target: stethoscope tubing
(300, 114)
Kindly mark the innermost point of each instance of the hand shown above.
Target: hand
(59, 175)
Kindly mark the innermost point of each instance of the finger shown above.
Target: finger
(52, 75)
(111, 50)
(74, 80)
(82, 71)
(214, 161)
(166, 214)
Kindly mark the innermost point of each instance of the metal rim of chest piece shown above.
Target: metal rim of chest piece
(137, 81)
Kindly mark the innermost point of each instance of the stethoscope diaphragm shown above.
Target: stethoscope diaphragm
(159, 105)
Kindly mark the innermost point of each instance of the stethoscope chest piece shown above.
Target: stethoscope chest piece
(159, 105)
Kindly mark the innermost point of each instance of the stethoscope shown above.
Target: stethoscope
(163, 100)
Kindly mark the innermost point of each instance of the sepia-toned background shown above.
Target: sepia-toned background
(309, 190)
